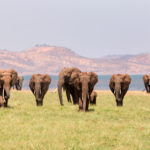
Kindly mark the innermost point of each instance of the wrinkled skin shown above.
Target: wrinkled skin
(39, 84)
(84, 84)
(64, 83)
(93, 97)
(7, 80)
(119, 84)
(146, 79)
(19, 83)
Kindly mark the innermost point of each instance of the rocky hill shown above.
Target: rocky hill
(50, 59)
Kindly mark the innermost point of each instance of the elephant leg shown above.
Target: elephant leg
(119, 103)
(6, 103)
(94, 100)
(1, 101)
(39, 103)
(80, 104)
(68, 95)
(87, 104)
(76, 97)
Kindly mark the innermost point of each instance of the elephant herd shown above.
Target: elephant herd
(79, 86)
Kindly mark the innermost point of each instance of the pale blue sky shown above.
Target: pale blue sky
(92, 28)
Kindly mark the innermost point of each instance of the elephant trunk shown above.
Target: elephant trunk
(37, 92)
(85, 96)
(60, 93)
(6, 92)
(118, 94)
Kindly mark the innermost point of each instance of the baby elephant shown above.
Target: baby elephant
(119, 84)
(93, 97)
(39, 84)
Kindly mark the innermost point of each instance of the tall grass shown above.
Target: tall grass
(24, 126)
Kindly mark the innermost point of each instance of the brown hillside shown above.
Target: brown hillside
(50, 59)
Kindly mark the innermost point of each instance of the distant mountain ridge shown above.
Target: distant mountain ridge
(50, 59)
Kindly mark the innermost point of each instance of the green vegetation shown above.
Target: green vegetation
(24, 126)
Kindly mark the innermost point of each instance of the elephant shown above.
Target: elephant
(84, 84)
(63, 83)
(7, 80)
(39, 84)
(93, 97)
(146, 79)
(19, 83)
(119, 84)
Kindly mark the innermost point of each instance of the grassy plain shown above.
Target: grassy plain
(24, 126)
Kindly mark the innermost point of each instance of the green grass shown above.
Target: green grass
(24, 126)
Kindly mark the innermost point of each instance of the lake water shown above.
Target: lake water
(103, 84)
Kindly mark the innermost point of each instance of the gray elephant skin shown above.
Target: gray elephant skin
(8, 79)
(146, 79)
(84, 84)
(64, 83)
(39, 84)
(119, 84)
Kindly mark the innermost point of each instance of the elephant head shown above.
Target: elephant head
(119, 84)
(146, 79)
(19, 82)
(39, 84)
(84, 83)
(63, 82)
(8, 80)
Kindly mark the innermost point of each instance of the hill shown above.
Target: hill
(50, 59)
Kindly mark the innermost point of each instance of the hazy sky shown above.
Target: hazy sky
(92, 28)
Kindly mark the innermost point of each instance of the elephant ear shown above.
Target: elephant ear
(14, 76)
(1, 81)
(46, 79)
(126, 81)
(111, 83)
(145, 78)
(31, 83)
(93, 78)
(75, 80)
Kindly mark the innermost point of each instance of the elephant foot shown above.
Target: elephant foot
(82, 110)
(119, 103)
(39, 103)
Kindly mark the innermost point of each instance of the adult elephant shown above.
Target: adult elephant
(93, 97)
(146, 79)
(39, 84)
(84, 84)
(19, 83)
(119, 84)
(64, 83)
(7, 80)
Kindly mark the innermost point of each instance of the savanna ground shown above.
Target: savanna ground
(24, 126)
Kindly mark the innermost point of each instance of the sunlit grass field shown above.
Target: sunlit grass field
(24, 126)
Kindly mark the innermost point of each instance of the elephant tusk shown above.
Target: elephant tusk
(4, 95)
(120, 92)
